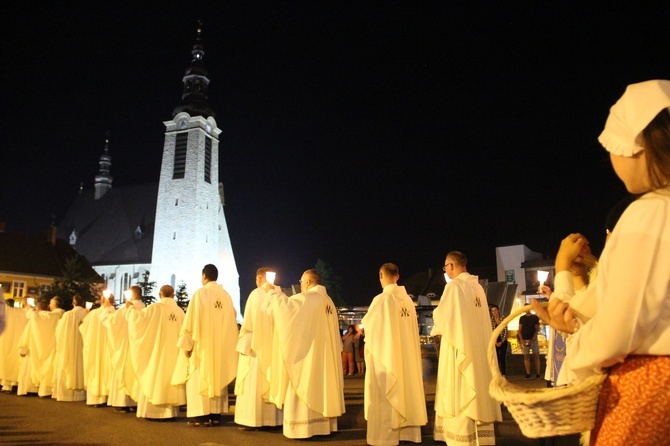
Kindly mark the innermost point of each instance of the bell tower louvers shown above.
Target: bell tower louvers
(190, 229)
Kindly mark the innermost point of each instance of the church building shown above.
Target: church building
(171, 229)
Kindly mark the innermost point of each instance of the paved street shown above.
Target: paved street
(29, 420)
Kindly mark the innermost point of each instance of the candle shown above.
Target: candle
(89, 305)
(128, 294)
(270, 277)
(31, 301)
(542, 276)
(106, 293)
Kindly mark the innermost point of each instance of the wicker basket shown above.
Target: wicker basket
(549, 411)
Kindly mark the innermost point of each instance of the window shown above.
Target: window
(208, 159)
(180, 156)
(125, 283)
(18, 289)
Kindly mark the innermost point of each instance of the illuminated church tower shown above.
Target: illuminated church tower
(190, 228)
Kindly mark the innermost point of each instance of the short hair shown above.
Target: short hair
(261, 271)
(458, 258)
(314, 276)
(137, 291)
(58, 301)
(40, 304)
(78, 300)
(390, 269)
(656, 143)
(210, 272)
(10, 302)
(167, 291)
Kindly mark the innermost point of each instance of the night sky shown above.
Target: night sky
(355, 132)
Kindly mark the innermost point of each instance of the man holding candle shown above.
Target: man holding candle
(307, 379)
(463, 407)
(69, 361)
(252, 386)
(124, 388)
(97, 365)
(153, 333)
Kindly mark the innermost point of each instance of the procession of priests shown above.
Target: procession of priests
(285, 359)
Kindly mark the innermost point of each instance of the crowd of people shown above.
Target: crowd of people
(288, 357)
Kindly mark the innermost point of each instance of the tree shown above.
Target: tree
(147, 288)
(70, 284)
(181, 296)
(331, 281)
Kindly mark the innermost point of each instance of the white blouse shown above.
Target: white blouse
(632, 292)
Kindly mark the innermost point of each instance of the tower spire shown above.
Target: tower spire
(194, 96)
(103, 181)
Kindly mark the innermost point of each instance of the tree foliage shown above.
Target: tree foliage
(147, 288)
(181, 296)
(331, 281)
(70, 284)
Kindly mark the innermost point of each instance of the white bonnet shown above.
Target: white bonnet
(637, 107)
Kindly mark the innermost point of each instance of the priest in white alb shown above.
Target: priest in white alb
(307, 379)
(97, 364)
(43, 349)
(395, 402)
(208, 362)
(465, 412)
(26, 384)
(252, 385)
(69, 360)
(153, 333)
(124, 388)
(16, 321)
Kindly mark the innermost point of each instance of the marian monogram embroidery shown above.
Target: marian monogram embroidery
(218, 304)
(404, 312)
(329, 309)
(478, 302)
(172, 318)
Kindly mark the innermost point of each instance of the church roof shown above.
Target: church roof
(116, 229)
(35, 255)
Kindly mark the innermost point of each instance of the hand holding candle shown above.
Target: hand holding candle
(542, 277)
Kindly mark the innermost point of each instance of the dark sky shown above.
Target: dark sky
(355, 132)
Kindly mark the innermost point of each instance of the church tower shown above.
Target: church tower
(190, 229)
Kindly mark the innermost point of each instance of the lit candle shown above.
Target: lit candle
(128, 295)
(542, 276)
(106, 293)
(31, 301)
(270, 277)
(89, 305)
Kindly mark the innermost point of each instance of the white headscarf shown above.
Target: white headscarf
(638, 106)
